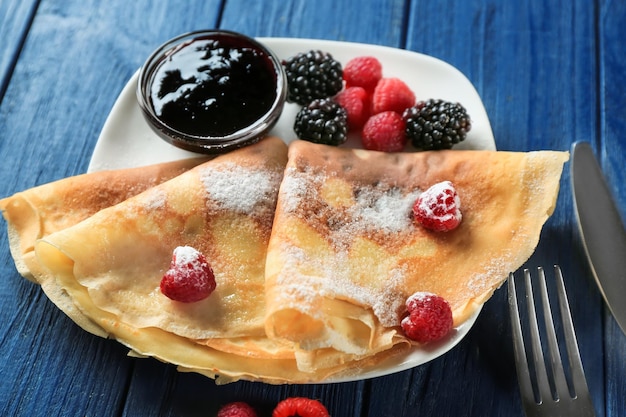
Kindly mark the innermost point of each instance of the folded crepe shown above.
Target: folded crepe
(223, 208)
(310, 279)
(345, 254)
(45, 209)
(111, 265)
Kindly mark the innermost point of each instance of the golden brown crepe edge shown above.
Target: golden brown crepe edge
(550, 168)
(553, 162)
(26, 224)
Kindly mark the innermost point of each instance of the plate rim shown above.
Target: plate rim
(478, 108)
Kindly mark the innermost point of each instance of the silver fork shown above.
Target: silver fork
(546, 392)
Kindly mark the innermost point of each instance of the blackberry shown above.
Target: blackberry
(436, 124)
(312, 75)
(322, 121)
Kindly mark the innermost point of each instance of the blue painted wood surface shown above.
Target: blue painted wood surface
(549, 73)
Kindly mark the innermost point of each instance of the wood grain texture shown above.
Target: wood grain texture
(549, 73)
(15, 20)
(378, 22)
(611, 147)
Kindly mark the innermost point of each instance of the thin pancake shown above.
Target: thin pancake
(223, 208)
(48, 208)
(111, 265)
(190, 356)
(45, 209)
(345, 254)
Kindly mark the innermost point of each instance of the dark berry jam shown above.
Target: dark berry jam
(213, 85)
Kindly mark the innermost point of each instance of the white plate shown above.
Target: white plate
(127, 141)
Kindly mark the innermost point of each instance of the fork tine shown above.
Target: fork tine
(545, 390)
(523, 371)
(556, 363)
(541, 374)
(579, 382)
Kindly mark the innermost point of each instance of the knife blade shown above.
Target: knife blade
(601, 229)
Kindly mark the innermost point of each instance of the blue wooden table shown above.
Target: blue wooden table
(548, 72)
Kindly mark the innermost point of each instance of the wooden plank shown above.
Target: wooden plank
(15, 20)
(611, 147)
(612, 143)
(44, 355)
(532, 65)
(378, 22)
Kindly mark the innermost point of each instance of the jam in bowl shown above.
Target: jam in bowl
(212, 91)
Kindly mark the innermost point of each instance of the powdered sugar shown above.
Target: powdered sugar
(186, 255)
(482, 281)
(334, 279)
(239, 188)
(388, 303)
(389, 211)
(378, 207)
(417, 298)
(294, 188)
(189, 263)
(156, 199)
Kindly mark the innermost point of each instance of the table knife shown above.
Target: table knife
(601, 229)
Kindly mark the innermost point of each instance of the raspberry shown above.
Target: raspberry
(363, 71)
(384, 132)
(355, 101)
(236, 409)
(438, 208)
(300, 407)
(322, 121)
(392, 94)
(190, 277)
(429, 317)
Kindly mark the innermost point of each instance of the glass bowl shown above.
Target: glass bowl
(211, 91)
